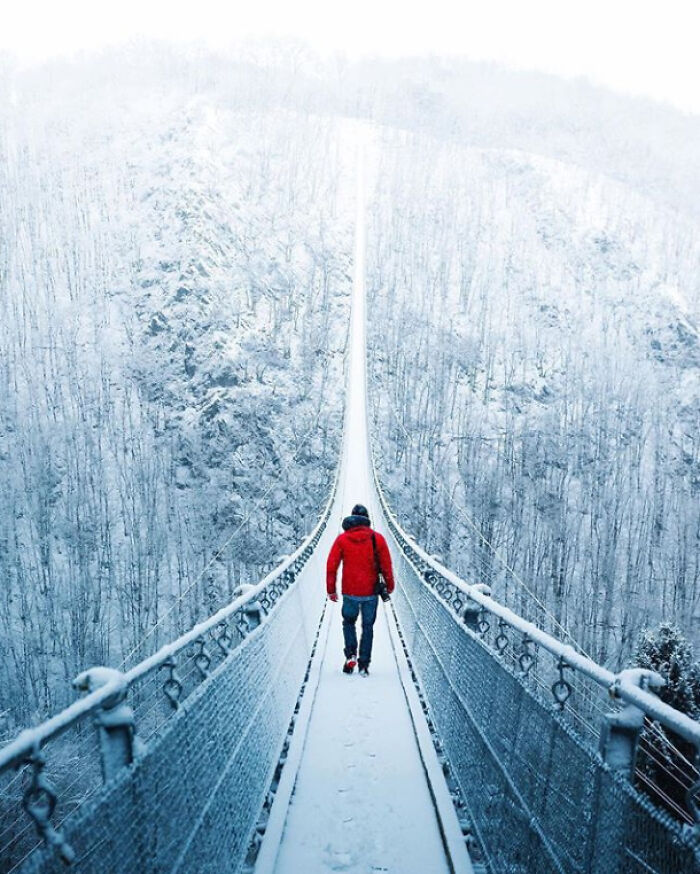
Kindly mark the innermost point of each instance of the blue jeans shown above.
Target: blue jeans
(352, 606)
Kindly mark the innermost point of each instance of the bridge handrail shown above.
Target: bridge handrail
(617, 685)
(31, 739)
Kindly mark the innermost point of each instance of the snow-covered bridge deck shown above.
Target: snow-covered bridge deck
(361, 800)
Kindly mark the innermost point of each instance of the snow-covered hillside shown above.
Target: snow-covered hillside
(537, 374)
(173, 316)
(175, 250)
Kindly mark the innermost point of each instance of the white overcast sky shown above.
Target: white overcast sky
(645, 47)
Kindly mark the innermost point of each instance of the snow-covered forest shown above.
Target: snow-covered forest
(537, 328)
(175, 246)
(173, 294)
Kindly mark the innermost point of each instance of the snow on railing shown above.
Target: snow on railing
(571, 680)
(105, 684)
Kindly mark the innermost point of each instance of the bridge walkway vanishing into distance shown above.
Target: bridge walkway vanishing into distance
(481, 742)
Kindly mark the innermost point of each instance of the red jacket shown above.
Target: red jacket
(354, 549)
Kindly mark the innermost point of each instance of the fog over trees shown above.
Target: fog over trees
(175, 248)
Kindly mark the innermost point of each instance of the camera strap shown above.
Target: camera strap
(377, 566)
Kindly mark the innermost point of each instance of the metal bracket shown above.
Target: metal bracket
(620, 729)
(114, 719)
(561, 688)
(172, 687)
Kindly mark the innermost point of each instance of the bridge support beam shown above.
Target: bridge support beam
(114, 720)
(620, 730)
(619, 739)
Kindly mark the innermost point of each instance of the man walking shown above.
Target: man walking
(364, 555)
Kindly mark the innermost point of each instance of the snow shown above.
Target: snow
(180, 363)
(361, 802)
(173, 273)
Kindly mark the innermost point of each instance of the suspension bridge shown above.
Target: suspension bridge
(481, 742)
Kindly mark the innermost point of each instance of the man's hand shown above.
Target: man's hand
(333, 597)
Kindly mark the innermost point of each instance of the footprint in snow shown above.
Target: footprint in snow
(337, 860)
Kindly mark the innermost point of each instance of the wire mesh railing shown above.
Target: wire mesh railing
(542, 740)
(188, 742)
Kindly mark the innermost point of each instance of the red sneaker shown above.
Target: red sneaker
(349, 665)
